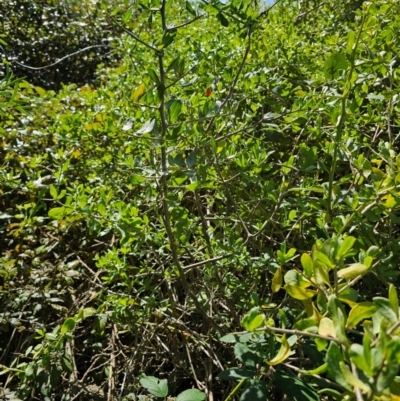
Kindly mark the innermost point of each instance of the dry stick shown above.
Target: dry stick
(132, 35)
(111, 378)
(61, 59)
(327, 381)
(200, 385)
(292, 332)
(357, 390)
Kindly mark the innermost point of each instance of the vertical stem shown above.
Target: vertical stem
(342, 118)
(173, 241)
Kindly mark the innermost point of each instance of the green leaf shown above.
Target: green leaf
(253, 320)
(66, 363)
(147, 127)
(387, 375)
(174, 111)
(293, 387)
(53, 191)
(333, 66)
(229, 338)
(276, 283)
(191, 160)
(293, 277)
(385, 309)
(30, 369)
(351, 379)
(307, 264)
(190, 9)
(193, 186)
(351, 37)
(299, 293)
(167, 39)
(68, 325)
(361, 311)
(154, 77)
(192, 394)
(338, 316)
(255, 390)
(353, 271)
(326, 328)
(236, 374)
(282, 354)
(139, 92)
(317, 371)
(356, 353)
(346, 246)
(156, 387)
(246, 356)
(394, 300)
(333, 358)
(322, 258)
(127, 15)
(57, 213)
(222, 19)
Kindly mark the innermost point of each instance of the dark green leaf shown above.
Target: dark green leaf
(293, 387)
(222, 19)
(245, 355)
(255, 390)
(236, 374)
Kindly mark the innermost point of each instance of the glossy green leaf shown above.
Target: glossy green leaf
(253, 320)
(385, 309)
(353, 271)
(317, 371)
(307, 264)
(282, 354)
(276, 283)
(346, 246)
(363, 310)
(139, 92)
(394, 300)
(299, 293)
(174, 111)
(324, 259)
(68, 325)
(339, 318)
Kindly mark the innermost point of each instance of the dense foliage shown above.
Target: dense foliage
(54, 43)
(217, 218)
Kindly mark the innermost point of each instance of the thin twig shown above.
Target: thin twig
(61, 59)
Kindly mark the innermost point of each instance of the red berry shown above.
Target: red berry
(208, 92)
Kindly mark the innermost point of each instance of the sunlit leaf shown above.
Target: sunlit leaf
(277, 280)
(282, 354)
(353, 271)
(363, 310)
